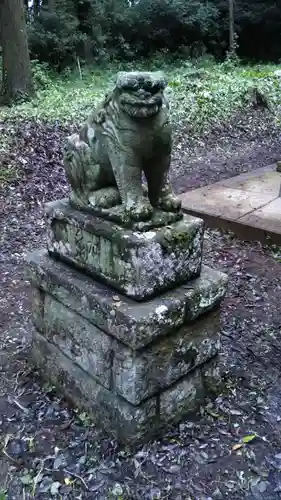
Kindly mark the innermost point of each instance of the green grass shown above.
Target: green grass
(220, 91)
(3, 495)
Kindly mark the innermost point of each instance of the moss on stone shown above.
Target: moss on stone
(178, 237)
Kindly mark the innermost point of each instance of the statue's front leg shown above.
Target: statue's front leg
(167, 199)
(127, 171)
(160, 191)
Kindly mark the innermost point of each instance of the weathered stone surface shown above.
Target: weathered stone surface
(38, 297)
(144, 358)
(127, 423)
(183, 398)
(134, 324)
(188, 394)
(139, 264)
(213, 373)
(134, 374)
(139, 375)
(77, 338)
(128, 135)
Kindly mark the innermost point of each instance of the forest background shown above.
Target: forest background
(59, 31)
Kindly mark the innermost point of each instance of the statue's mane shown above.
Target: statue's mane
(135, 80)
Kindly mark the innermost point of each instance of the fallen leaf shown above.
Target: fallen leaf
(236, 412)
(57, 463)
(249, 438)
(212, 414)
(258, 471)
(237, 446)
(174, 469)
(262, 486)
(26, 479)
(117, 490)
(55, 486)
(66, 425)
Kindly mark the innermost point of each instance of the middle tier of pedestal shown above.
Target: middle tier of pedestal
(138, 264)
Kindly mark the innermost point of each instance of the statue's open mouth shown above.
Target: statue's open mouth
(141, 108)
(142, 103)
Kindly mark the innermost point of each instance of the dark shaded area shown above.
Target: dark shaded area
(59, 32)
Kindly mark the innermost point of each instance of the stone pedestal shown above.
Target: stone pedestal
(139, 264)
(126, 321)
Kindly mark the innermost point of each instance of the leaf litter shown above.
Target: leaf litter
(50, 450)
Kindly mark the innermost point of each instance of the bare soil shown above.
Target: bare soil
(50, 450)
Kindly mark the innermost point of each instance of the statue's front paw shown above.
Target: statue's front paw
(140, 210)
(169, 203)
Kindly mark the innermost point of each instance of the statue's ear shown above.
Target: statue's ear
(120, 79)
(107, 98)
(165, 103)
(164, 82)
(161, 79)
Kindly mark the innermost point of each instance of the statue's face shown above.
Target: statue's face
(140, 95)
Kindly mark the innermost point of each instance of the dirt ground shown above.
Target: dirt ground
(232, 449)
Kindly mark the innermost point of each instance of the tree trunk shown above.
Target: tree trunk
(36, 7)
(52, 5)
(231, 27)
(17, 76)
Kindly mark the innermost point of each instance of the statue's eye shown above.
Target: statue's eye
(133, 84)
(154, 89)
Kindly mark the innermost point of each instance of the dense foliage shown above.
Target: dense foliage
(62, 31)
(200, 94)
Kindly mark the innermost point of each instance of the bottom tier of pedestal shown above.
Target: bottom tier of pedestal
(137, 369)
(129, 424)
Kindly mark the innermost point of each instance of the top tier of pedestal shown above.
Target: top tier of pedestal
(139, 264)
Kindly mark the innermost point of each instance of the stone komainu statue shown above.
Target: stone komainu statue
(128, 135)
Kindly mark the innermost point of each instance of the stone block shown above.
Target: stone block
(135, 374)
(38, 299)
(138, 375)
(138, 264)
(81, 341)
(129, 424)
(213, 374)
(188, 394)
(134, 324)
(183, 398)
